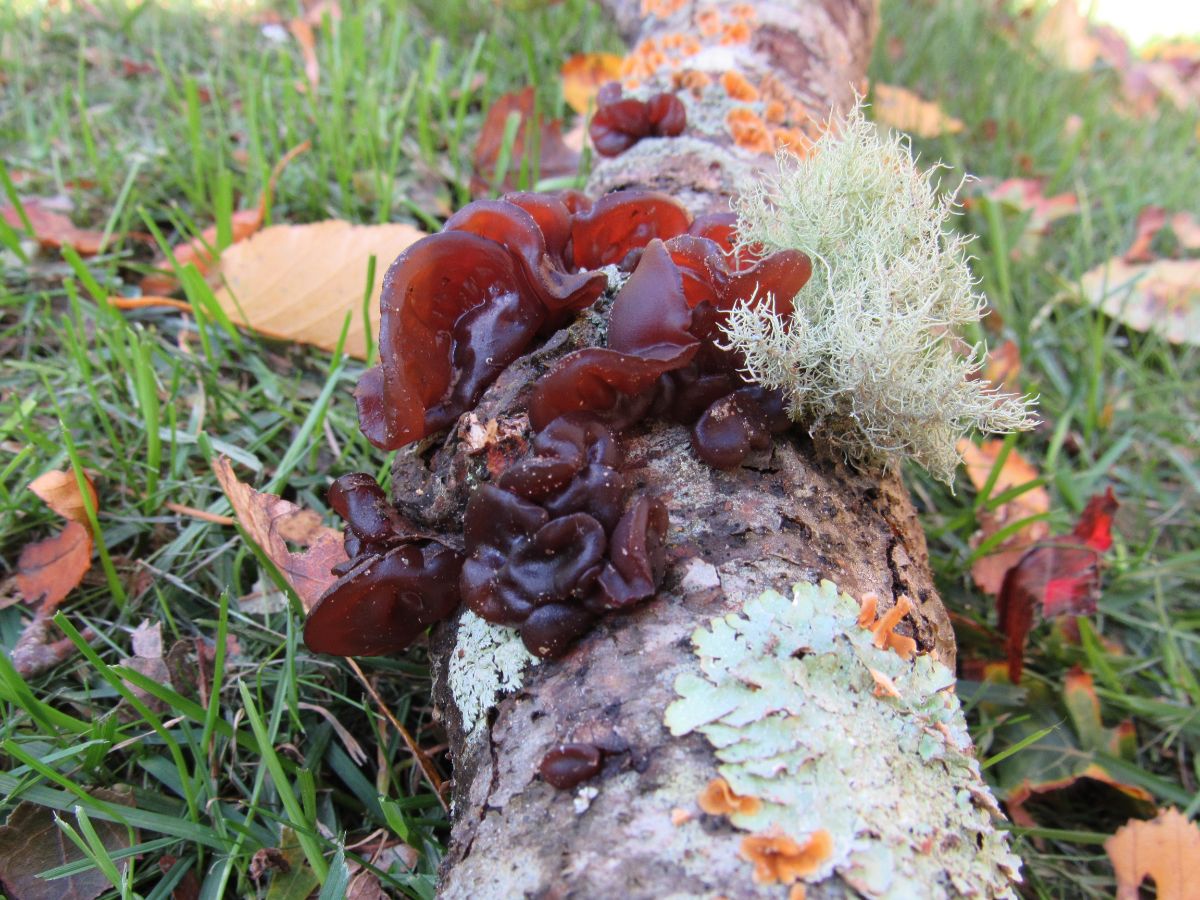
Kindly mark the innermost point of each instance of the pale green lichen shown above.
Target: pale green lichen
(488, 662)
(873, 354)
(787, 699)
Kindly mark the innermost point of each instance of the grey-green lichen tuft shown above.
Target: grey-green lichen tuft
(488, 662)
(874, 353)
(787, 697)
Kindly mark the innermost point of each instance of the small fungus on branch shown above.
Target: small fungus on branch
(567, 765)
(778, 859)
(718, 799)
(620, 122)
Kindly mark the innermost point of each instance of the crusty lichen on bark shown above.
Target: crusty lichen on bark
(788, 695)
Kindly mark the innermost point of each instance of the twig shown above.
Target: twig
(418, 754)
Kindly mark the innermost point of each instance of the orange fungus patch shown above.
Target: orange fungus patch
(738, 88)
(749, 131)
(884, 628)
(779, 859)
(718, 799)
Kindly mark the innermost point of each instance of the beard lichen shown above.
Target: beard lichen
(873, 354)
(787, 696)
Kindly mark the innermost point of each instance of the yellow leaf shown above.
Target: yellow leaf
(1065, 36)
(298, 282)
(1166, 849)
(900, 108)
(1161, 296)
(584, 73)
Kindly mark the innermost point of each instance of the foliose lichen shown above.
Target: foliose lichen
(873, 354)
(488, 662)
(789, 696)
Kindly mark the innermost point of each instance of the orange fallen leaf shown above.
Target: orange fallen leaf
(302, 30)
(980, 459)
(1162, 297)
(1151, 221)
(50, 569)
(1027, 195)
(243, 223)
(1165, 849)
(271, 522)
(1003, 366)
(59, 490)
(298, 282)
(1066, 38)
(54, 229)
(902, 109)
(584, 73)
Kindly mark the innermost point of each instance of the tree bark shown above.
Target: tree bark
(796, 513)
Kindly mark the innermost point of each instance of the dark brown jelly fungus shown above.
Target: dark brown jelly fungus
(567, 765)
(386, 602)
(707, 277)
(737, 424)
(455, 312)
(513, 226)
(637, 556)
(620, 223)
(620, 122)
(573, 467)
(648, 336)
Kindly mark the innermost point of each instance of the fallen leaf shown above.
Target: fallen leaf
(1162, 297)
(902, 109)
(147, 658)
(1066, 37)
(31, 842)
(1003, 366)
(1064, 756)
(1150, 222)
(988, 571)
(1026, 196)
(50, 569)
(302, 30)
(1166, 849)
(266, 518)
(199, 250)
(1060, 576)
(555, 158)
(298, 282)
(54, 230)
(59, 490)
(36, 651)
(584, 73)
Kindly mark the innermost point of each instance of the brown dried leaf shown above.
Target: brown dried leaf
(584, 73)
(266, 518)
(555, 158)
(50, 569)
(902, 109)
(54, 230)
(31, 843)
(1166, 849)
(148, 659)
(1066, 37)
(60, 491)
(298, 282)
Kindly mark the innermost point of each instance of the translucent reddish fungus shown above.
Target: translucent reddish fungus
(570, 764)
(620, 122)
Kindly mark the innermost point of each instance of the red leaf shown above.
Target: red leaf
(53, 229)
(555, 158)
(1062, 575)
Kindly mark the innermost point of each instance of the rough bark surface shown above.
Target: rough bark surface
(794, 513)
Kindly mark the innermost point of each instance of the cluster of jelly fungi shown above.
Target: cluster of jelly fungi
(620, 122)
(557, 538)
(566, 765)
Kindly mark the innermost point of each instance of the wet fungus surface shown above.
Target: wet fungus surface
(620, 122)
(557, 537)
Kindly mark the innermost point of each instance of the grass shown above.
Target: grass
(143, 398)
